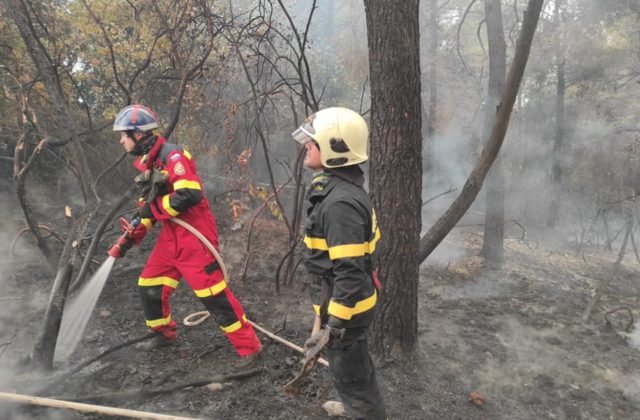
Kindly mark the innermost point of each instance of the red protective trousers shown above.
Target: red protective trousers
(178, 254)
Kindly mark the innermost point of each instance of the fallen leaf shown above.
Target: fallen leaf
(477, 398)
(67, 211)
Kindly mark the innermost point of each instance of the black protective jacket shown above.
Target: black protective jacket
(341, 233)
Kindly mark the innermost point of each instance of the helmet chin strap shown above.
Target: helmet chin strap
(143, 145)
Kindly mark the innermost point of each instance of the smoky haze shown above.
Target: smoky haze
(598, 154)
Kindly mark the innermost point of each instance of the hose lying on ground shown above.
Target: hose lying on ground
(198, 317)
(89, 408)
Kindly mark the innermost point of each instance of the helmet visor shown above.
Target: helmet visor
(304, 134)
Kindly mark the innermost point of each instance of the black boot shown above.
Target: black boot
(250, 362)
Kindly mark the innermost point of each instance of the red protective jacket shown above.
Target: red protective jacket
(178, 253)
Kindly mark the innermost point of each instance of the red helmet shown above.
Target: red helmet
(135, 118)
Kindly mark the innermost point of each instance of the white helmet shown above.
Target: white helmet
(341, 135)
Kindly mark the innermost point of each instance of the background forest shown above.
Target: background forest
(231, 80)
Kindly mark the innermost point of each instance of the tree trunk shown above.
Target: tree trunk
(47, 68)
(396, 162)
(432, 80)
(493, 242)
(472, 187)
(556, 158)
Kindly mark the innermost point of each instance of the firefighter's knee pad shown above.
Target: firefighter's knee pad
(220, 308)
(150, 293)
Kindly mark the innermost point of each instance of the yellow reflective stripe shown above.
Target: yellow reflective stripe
(183, 183)
(167, 206)
(157, 281)
(211, 291)
(316, 309)
(235, 326)
(186, 154)
(147, 223)
(347, 251)
(342, 251)
(346, 312)
(316, 243)
(372, 244)
(354, 250)
(159, 322)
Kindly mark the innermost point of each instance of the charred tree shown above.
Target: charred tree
(472, 186)
(32, 34)
(396, 178)
(493, 242)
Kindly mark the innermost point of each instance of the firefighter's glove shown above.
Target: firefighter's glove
(145, 211)
(135, 230)
(317, 341)
(120, 248)
(150, 184)
(132, 234)
(143, 185)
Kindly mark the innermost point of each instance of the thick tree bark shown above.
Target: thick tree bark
(396, 166)
(472, 187)
(493, 242)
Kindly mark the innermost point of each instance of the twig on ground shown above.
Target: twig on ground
(284, 323)
(622, 308)
(66, 375)
(145, 393)
(5, 346)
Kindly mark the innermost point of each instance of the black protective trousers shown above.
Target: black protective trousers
(354, 375)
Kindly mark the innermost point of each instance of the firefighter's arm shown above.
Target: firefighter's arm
(186, 186)
(345, 231)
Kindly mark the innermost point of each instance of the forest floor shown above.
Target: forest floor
(513, 338)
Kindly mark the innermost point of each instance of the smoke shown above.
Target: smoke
(631, 387)
(442, 183)
(634, 337)
(24, 297)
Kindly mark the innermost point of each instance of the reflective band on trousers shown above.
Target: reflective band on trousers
(345, 312)
(214, 290)
(159, 322)
(157, 281)
(235, 326)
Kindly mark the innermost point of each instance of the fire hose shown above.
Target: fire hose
(199, 317)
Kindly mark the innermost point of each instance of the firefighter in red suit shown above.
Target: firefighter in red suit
(178, 253)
